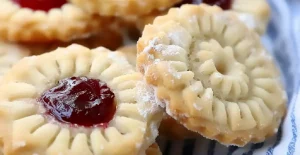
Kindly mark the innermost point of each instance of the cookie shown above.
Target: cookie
(81, 100)
(212, 74)
(49, 20)
(123, 8)
(10, 54)
(254, 13)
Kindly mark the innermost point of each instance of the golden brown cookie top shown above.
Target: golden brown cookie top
(125, 7)
(29, 24)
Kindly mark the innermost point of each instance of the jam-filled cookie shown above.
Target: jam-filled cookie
(254, 13)
(76, 101)
(10, 54)
(124, 7)
(212, 74)
(46, 20)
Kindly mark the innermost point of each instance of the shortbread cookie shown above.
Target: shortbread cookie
(10, 54)
(130, 53)
(212, 74)
(254, 13)
(49, 20)
(124, 7)
(76, 101)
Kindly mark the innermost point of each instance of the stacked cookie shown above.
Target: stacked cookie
(195, 70)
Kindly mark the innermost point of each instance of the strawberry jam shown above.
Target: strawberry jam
(80, 101)
(224, 4)
(43, 5)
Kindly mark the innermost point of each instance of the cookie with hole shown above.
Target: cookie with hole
(212, 74)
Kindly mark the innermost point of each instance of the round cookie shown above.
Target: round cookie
(32, 21)
(81, 100)
(212, 74)
(124, 8)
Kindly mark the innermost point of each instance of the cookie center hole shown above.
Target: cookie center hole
(80, 101)
(42, 5)
(221, 68)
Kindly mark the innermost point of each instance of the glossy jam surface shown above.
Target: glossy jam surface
(224, 4)
(80, 101)
(43, 5)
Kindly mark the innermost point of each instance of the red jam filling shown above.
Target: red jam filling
(80, 101)
(224, 4)
(43, 5)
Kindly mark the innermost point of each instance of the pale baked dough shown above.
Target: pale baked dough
(254, 13)
(169, 128)
(130, 53)
(212, 74)
(10, 54)
(64, 24)
(123, 7)
(130, 132)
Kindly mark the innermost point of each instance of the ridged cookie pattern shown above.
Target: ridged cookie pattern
(63, 24)
(212, 74)
(128, 133)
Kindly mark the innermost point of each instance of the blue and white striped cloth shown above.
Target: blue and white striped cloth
(283, 40)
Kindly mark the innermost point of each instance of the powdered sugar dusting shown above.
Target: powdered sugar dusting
(151, 45)
(168, 50)
(146, 100)
(174, 72)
